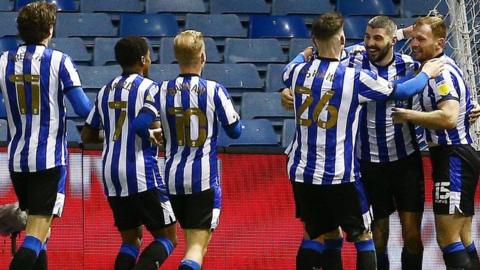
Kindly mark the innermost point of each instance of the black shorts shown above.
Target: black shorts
(323, 208)
(198, 210)
(150, 208)
(397, 185)
(42, 192)
(455, 170)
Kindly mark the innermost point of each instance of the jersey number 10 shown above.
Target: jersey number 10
(183, 119)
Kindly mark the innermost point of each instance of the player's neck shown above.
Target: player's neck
(132, 70)
(195, 69)
(328, 50)
(386, 60)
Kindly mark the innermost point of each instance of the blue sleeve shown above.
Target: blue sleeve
(286, 74)
(404, 90)
(80, 102)
(141, 123)
(234, 130)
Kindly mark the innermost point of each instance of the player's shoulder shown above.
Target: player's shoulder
(404, 58)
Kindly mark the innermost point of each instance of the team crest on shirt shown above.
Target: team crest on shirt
(443, 88)
(149, 98)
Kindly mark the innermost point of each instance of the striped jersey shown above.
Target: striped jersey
(190, 109)
(449, 85)
(380, 140)
(327, 99)
(33, 80)
(129, 161)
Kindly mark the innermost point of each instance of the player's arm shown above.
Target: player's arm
(226, 113)
(80, 102)
(147, 114)
(474, 113)
(91, 130)
(444, 118)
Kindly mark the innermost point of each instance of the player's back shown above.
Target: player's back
(327, 97)
(450, 85)
(33, 79)
(192, 109)
(129, 162)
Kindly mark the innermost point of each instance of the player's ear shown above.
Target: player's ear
(441, 43)
(342, 40)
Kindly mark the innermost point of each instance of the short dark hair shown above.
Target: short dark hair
(327, 25)
(383, 22)
(35, 20)
(129, 50)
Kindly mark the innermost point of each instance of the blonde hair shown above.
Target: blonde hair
(188, 46)
(437, 24)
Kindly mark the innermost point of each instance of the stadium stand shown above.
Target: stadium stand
(216, 25)
(148, 25)
(235, 77)
(258, 132)
(3, 112)
(73, 135)
(297, 45)
(8, 43)
(367, 8)
(288, 131)
(3, 130)
(94, 77)
(415, 8)
(6, 5)
(8, 21)
(355, 28)
(264, 26)
(62, 5)
(259, 51)
(111, 6)
(274, 82)
(103, 52)
(301, 7)
(177, 6)
(263, 105)
(86, 25)
(163, 72)
(74, 47)
(239, 7)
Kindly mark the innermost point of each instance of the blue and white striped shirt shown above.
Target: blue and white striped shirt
(129, 161)
(33, 80)
(190, 109)
(380, 140)
(327, 102)
(450, 85)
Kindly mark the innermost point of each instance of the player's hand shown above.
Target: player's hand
(474, 114)
(400, 115)
(156, 136)
(407, 32)
(308, 53)
(287, 99)
(434, 67)
(357, 49)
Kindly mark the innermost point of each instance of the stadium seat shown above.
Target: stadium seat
(176, 6)
(8, 21)
(355, 27)
(6, 5)
(167, 56)
(163, 72)
(258, 132)
(3, 110)
(3, 130)
(404, 22)
(297, 45)
(8, 43)
(253, 51)
(62, 5)
(74, 47)
(263, 105)
(274, 81)
(216, 25)
(263, 26)
(237, 7)
(367, 7)
(104, 53)
(301, 7)
(148, 25)
(73, 135)
(111, 6)
(288, 131)
(414, 8)
(84, 25)
(235, 77)
(95, 77)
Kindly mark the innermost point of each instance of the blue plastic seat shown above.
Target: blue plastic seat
(355, 27)
(274, 81)
(414, 8)
(164, 72)
(263, 105)
(104, 53)
(367, 7)
(301, 7)
(8, 21)
(167, 55)
(148, 25)
(95, 77)
(404, 22)
(73, 47)
(176, 6)
(84, 25)
(236, 7)
(288, 131)
(3, 110)
(62, 5)
(73, 135)
(3, 130)
(253, 51)
(258, 132)
(8, 43)
(216, 25)
(262, 26)
(297, 45)
(234, 76)
(6, 5)
(111, 6)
